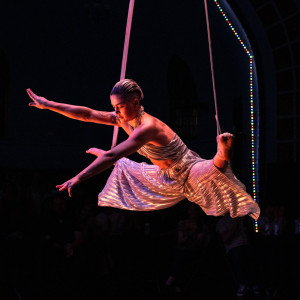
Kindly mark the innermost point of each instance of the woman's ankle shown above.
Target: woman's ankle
(219, 162)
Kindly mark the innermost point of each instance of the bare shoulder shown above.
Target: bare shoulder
(160, 132)
(151, 124)
(145, 129)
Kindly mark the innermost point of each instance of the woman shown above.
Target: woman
(177, 172)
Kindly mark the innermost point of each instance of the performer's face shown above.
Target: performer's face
(125, 110)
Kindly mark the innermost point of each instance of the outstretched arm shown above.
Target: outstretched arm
(137, 139)
(80, 113)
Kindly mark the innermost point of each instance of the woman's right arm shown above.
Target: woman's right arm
(80, 113)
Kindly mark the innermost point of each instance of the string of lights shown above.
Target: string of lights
(254, 108)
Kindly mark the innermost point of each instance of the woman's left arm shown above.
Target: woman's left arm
(136, 140)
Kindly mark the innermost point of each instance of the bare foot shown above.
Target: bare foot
(225, 142)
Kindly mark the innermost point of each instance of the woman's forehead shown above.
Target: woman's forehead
(116, 100)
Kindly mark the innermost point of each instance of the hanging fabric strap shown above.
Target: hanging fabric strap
(124, 59)
(212, 69)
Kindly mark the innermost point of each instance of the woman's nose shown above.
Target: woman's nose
(117, 110)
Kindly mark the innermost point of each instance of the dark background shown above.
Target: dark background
(71, 52)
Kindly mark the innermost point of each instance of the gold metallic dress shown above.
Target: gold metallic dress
(142, 186)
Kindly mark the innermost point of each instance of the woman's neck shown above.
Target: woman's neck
(137, 120)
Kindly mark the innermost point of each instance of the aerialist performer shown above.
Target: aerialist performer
(177, 173)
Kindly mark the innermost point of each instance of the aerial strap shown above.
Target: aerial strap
(125, 55)
(212, 69)
(124, 59)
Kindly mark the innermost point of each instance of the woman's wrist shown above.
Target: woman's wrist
(79, 178)
(50, 104)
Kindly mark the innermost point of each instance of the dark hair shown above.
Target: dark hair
(127, 89)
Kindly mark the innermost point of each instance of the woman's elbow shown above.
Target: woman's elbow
(85, 116)
(112, 156)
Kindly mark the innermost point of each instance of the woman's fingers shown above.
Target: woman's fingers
(65, 186)
(92, 150)
(61, 187)
(95, 151)
(31, 94)
(70, 190)
(39, 102)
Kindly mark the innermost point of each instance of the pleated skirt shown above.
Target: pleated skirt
(144, 187)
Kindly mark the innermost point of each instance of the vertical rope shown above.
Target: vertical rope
(127, 37)
(124, 59)
(212, 69)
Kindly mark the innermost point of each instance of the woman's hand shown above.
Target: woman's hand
(68, 185)
(96, 151)
(38, 102)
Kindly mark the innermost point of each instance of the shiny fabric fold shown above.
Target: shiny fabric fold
(139, 186)
(144, 187)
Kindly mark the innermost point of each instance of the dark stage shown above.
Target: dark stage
(54, 247)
